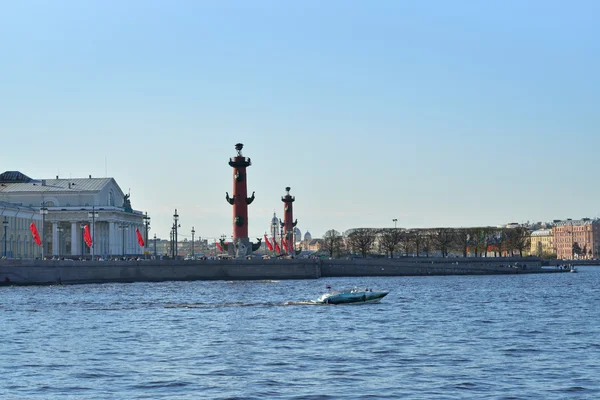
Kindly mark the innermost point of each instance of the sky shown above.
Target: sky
(434, 113)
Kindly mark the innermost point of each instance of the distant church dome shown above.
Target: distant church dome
(307, 236)
(275, 220)
(297, 234)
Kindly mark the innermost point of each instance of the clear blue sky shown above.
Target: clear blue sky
(437, 113)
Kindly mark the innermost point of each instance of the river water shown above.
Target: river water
(452, 337)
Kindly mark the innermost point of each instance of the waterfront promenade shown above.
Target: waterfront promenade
(38, 272)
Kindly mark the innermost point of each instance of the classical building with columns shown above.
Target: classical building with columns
(17, 240)
(62, 208)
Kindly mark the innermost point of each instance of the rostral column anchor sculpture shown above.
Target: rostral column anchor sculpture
(239, 201)
(288, 217)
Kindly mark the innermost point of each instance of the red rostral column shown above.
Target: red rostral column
(288, 217)
(240, 203)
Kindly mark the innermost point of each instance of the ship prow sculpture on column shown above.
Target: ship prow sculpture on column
(242, 246)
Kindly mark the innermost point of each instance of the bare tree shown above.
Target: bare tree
(502, 241)
(426, 241)
(332, 242)
(389, 239)
(419, 240)
(521, 239)
(442, 239)
(461, 240)
(362, 240)
(479, 241)
(406, 241)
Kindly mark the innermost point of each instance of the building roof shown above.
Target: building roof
(13, 177)
(542, 232)
(577, 222)
(5, 205)
(56, 185)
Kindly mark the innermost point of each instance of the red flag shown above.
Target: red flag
(269, 245)
(139, 237)
(36, 235)
(284, 243)
(87, 236)
(219, 246)
(277, 248)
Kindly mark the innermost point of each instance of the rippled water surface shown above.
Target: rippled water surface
(455, 337)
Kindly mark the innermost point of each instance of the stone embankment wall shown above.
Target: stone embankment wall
(411, 266)
(51, 271)
(38, 272)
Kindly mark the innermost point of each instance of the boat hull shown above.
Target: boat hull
(362, 297)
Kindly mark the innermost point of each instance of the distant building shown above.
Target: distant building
(17, 240)
(577, 238)
(315, 245)
(275, 228)
(542, 243)
(306, 240)
(297, 236)
(69, 205)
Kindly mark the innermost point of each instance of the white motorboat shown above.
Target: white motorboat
(353, 296)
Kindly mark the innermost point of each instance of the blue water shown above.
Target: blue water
(454, 337)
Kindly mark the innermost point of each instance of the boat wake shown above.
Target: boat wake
(242, 304)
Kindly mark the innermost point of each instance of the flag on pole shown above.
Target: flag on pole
(284, 243)
(36, 235)
(277, 248)
(87, 237)
(139, 237)
(219, 246)
(269, 245)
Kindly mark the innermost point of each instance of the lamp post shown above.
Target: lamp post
(572, 243)
(44, 212)
(193, 254)
(5, 224)
(172, 241)
(93, 215)
(155, 245)
(123, 228)
(175, 219)
(146, 225)
(60, 230)
(82, 225)
(395, 220)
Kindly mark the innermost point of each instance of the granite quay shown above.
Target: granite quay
(45, 272)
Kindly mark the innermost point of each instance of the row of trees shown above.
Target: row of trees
(428, 242)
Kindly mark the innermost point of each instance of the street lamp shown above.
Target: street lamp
(155, 245)
(193, 254)
(123, 228)
(60, 230)
(82, 225)
(44, 212)
(175, 226)
(5, 224)
(172, 241)
(395, 220)
(93, 215)
(146, 224)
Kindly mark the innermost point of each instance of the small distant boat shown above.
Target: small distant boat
(353, 296)
(572, 269)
